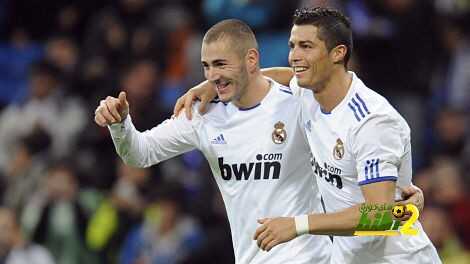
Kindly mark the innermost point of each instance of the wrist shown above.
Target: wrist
(301, 225)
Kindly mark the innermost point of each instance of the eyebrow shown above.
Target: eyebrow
(215, 61)
(306, 42)
(301, 42)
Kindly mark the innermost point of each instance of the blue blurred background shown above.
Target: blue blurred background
(75, 202)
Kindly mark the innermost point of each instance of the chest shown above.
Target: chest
(253, 147)
(332, 158)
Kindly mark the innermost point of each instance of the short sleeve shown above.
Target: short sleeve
(378, 146)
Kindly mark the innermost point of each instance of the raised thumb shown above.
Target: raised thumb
(122, 98)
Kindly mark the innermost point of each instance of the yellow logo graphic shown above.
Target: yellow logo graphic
(398, 211)
(382, 222)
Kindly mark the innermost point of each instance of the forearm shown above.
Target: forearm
(144, 149)
(131, 145)
(341, 223)
(346, 221)
(282, 75)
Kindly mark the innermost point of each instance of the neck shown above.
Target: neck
(257, 89)
(334, 90)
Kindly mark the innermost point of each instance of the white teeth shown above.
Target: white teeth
(222, 84)
(300, 69)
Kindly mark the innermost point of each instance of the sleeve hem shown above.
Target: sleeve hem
(380, 179)
(118, 129)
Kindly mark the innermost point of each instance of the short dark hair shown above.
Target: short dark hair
(334, 28)
(241, 36)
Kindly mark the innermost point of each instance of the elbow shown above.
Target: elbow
(132, 161)
(135, 163)
(129, 160)
(137, 157)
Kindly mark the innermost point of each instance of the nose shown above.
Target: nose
(211, 74)
(294, 55)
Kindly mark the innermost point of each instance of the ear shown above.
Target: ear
(338, 53)
(252, 60)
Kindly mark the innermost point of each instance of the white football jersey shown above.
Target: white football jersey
(260, 160)
(363, 140)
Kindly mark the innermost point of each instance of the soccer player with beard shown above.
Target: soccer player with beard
(257, 151)
(360, 144)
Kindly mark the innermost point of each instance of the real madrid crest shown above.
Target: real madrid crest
(338, 150)
(279, 134)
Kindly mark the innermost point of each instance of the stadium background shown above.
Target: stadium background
(72, 195)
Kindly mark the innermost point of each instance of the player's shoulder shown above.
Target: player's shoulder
(366, 106)
(283, 89)
(216, 110)
(363, 103)
(284, 94)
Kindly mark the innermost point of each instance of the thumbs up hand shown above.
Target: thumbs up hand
(112, 110)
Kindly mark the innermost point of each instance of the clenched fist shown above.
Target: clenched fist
(112, 110)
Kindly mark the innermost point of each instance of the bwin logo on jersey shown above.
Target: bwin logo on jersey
(268, 166)
(329, 173)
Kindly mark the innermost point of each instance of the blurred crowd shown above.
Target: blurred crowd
(65, 196)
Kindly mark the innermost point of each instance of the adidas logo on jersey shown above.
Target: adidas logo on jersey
(358, 107)
(219, 140)
(267, 167)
